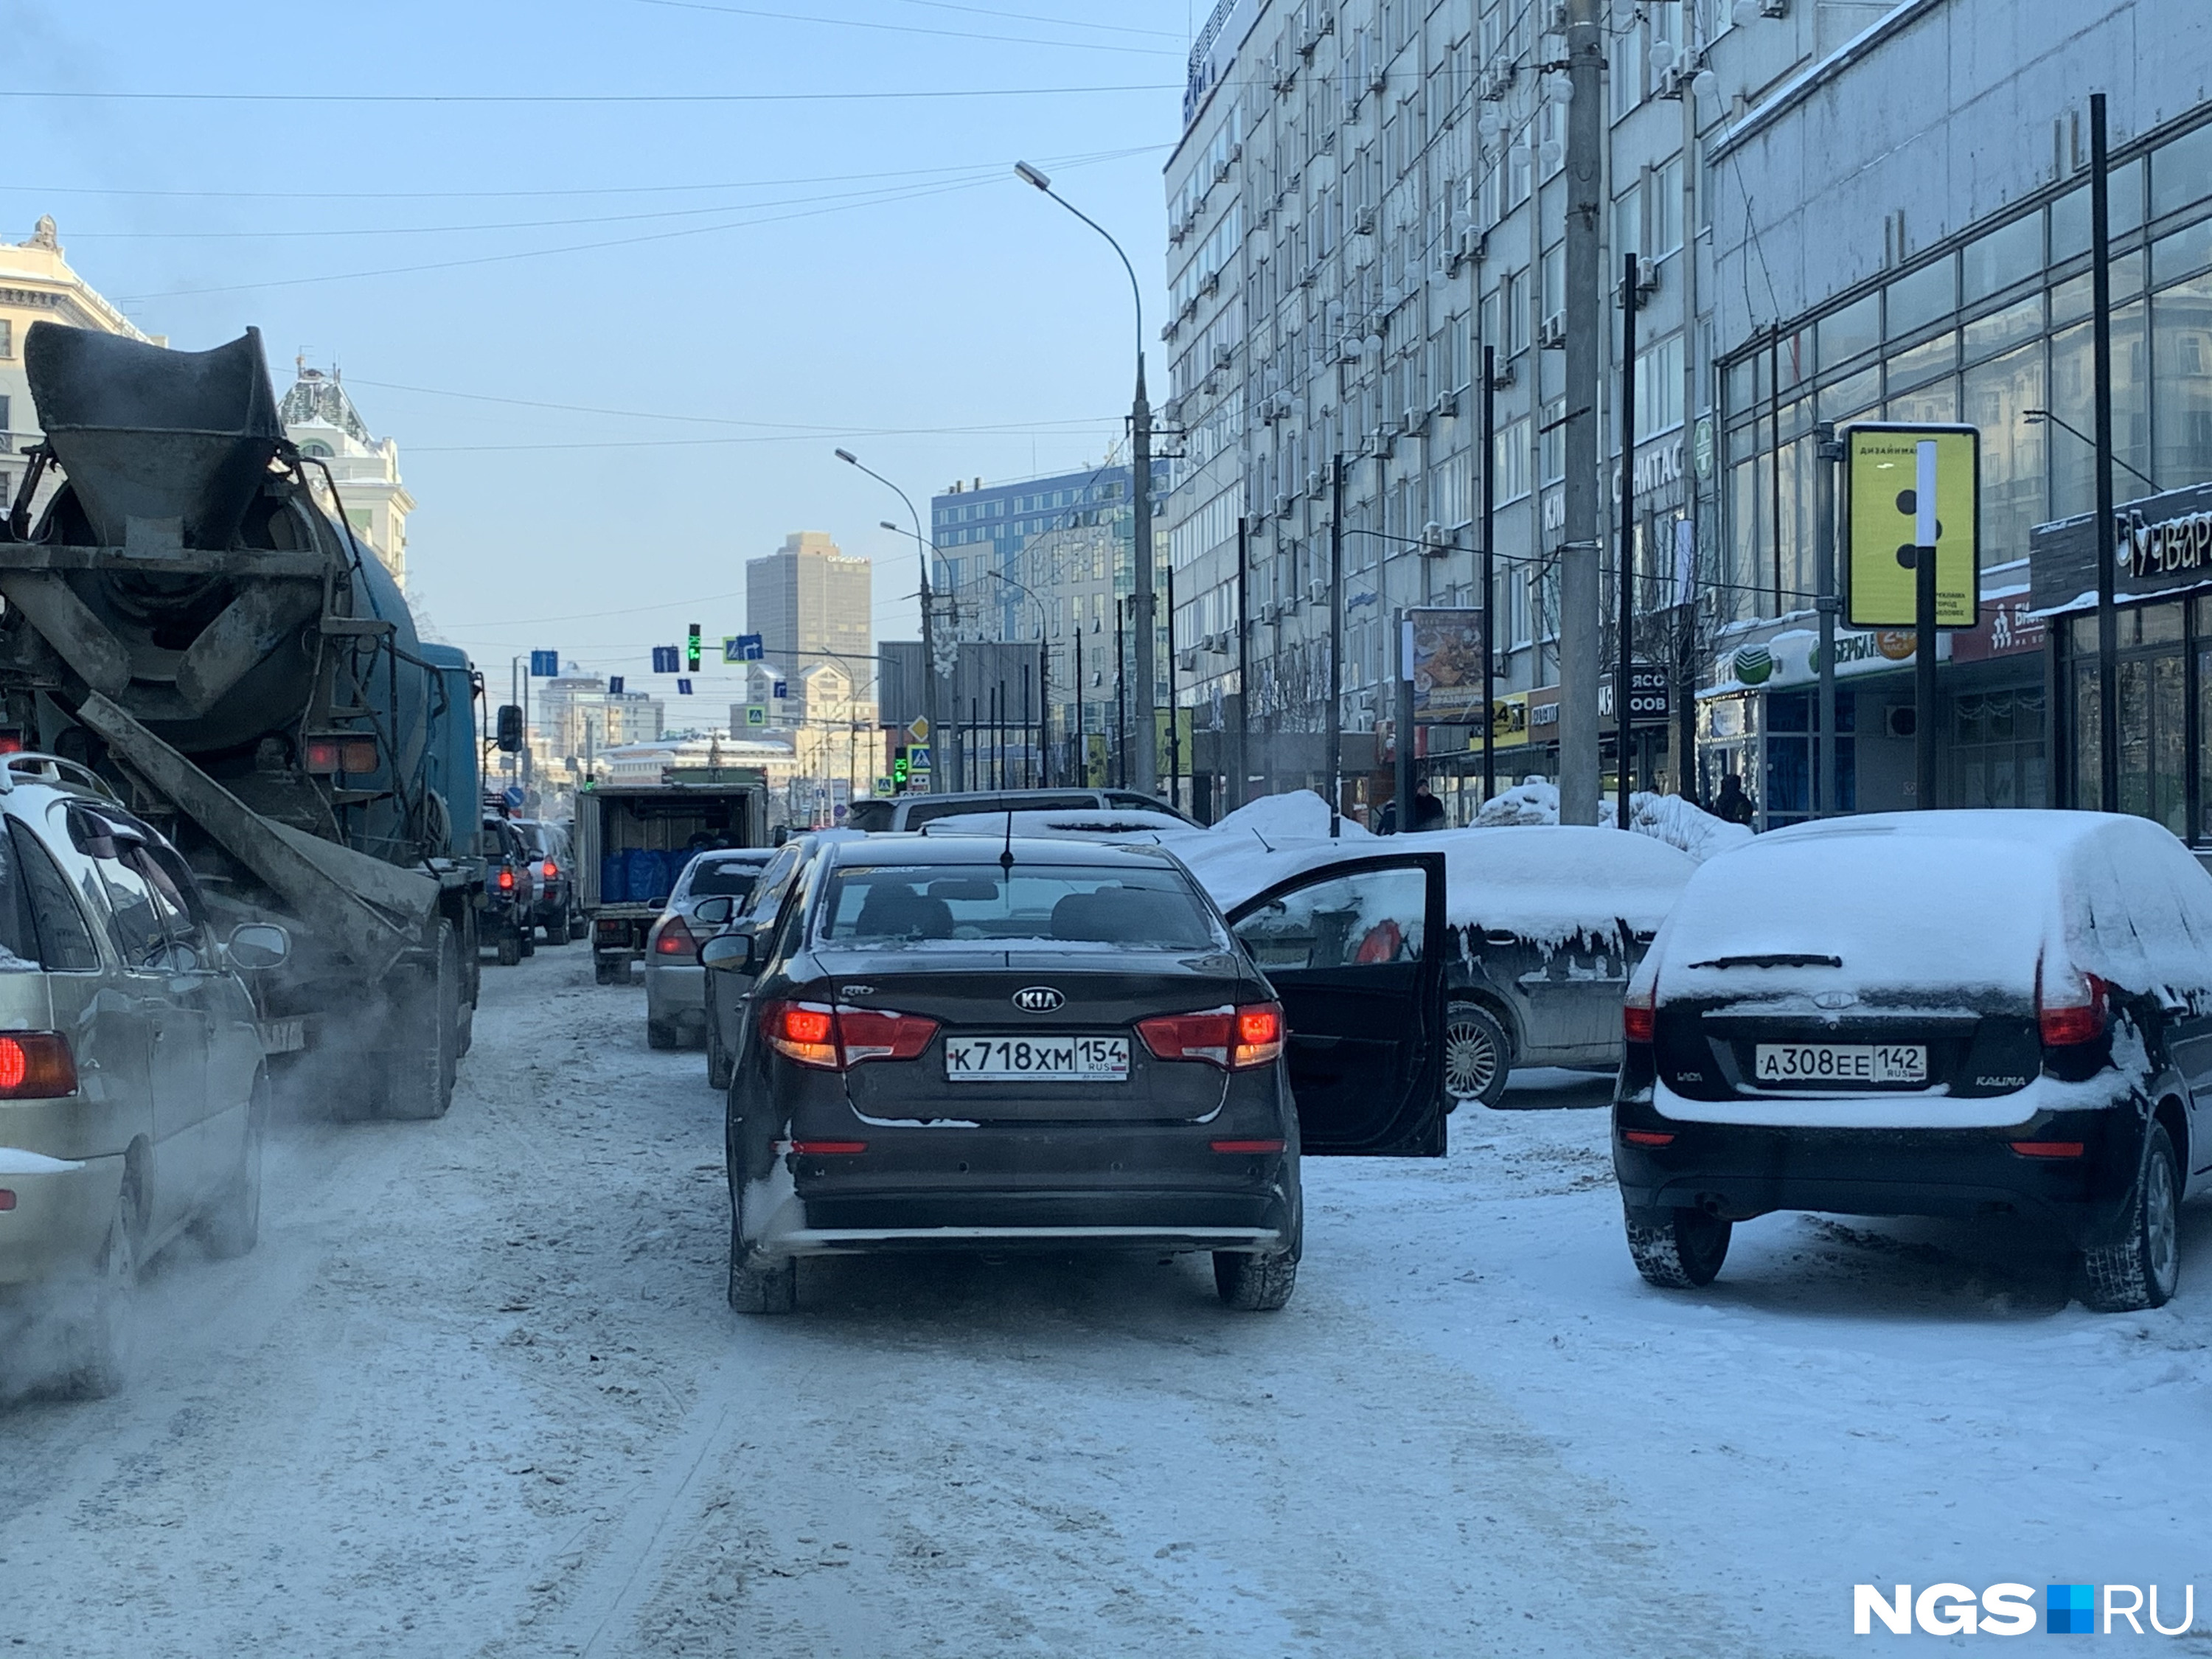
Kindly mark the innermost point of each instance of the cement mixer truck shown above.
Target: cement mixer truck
(186, 619)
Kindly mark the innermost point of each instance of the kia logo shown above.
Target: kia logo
(1038, 999)
(1835, 999)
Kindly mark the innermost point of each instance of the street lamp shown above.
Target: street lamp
(2037, 416)
(924, 548)
(1141, 453)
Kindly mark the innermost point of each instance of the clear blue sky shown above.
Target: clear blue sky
(867, 267)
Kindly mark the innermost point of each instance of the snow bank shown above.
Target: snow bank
(1672, 818)
(1116, 823)
(1297, 814)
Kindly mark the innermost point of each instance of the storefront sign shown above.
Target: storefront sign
(2162, 543)
(1648, 701)
(2008, 628)
(1509, 721)
(1792, 658)
(1881, 514)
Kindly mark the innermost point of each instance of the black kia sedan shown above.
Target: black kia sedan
(960, 1044)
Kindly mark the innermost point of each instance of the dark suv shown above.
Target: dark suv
(556, 909)
(511, 882)
(1961, 1013)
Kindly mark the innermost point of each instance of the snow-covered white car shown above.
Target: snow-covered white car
(1544, 926)
(1943, 1013)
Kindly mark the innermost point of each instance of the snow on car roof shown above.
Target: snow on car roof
(1955, 899)
(1545, 882)
(1087, 823)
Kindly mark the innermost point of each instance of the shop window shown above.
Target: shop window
(1998, 395)
(1997, 749)
(1987, 336)
(1924, 362)
(1847, 333)
(1928, 296)
(2010, 254)
(2181, 172)
(2181, 375)
(2183, 253)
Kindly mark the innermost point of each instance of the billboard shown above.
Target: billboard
(1447, 651)
(1880, 516)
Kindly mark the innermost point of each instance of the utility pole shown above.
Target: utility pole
(1140, 592)
(1243, 672)
(1578, 555)
(1489, 573)
(1175, 730)
(1826, 452)
(1121, 696)
(2100, 313)
(1623, 561)
(1335, 727)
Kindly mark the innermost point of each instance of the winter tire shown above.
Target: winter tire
(98, 1340)
(1255, 1284)
(426, 1030)
(1478, 1055)
(2141, 1270)
(233, 1228)
(1677, 1249)
(510, 948)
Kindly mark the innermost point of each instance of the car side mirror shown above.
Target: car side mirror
(257, 944)
(715, 912)
(731, 953)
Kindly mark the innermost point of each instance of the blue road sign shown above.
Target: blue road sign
(614, 685)
(683, 688)
(750, 648)
(544, 665)
(666, 659)
(917, 757)
(782, 688)
(514, 797)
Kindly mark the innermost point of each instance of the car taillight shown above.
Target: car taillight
(2070, 1008)
(675, 939)
(837, 1039)
(2050, 1148)
(1235, 1039)
(1648, 1137)
(11, 744)
(1639, 1013)
(358, 757)
(36, 1066)
(507, 881)
(322, 757)
(551, 869)
(341, 755)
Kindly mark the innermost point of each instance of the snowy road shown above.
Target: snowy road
(477, 1393)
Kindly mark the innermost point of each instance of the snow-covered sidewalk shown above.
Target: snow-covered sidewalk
(477, 1393)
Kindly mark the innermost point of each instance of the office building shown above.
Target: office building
(811, 604)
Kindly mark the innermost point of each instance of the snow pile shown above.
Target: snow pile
(1299, 814)
(1115, 823)
(1673, 819)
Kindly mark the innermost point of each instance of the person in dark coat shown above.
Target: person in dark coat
(1733, 805)
(1428, 811)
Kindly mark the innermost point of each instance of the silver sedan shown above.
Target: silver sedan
(675, 984)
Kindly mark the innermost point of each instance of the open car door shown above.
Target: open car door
(1355, 952)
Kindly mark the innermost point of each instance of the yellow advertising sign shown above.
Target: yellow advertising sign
(1881, 518)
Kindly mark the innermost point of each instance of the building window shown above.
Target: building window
(7, 338)
(1510, 461)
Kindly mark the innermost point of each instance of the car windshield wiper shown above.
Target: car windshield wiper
(1774, 959)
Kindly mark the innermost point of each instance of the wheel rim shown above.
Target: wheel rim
(2161, 1226)
(1470, 1057)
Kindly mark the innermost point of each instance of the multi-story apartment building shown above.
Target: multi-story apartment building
(1368, 196)
(319, 417)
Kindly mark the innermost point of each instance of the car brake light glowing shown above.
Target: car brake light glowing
(1648, 1137)
(837, 1039)
(36, 1066)
(2049, 1148)
(675, 939)
(11, 744)
(1255, 1146)
(507, 881)
(1639, 1013)
(551, 869)
(2070, 1008)
(1235, 1039)
(322, 756)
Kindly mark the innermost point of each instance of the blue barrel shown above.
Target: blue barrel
(614, 883)
(641, 876)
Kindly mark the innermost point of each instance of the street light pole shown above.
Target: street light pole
(1140, 456)
(924, 548)
(1578, 555)
(2100, 339)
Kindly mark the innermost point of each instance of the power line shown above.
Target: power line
(901, 28)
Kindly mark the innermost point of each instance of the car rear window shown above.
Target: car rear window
(724, 876)
(1149, 909)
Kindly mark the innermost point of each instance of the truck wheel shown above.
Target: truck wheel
(2142, 1270)
(232, 1227)
(97, 1342)
(424, 1027)
(1478, 1055)
(1677, 1249)
(510, 947)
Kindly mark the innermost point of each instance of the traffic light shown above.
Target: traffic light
(691, 649)
(898, 768)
